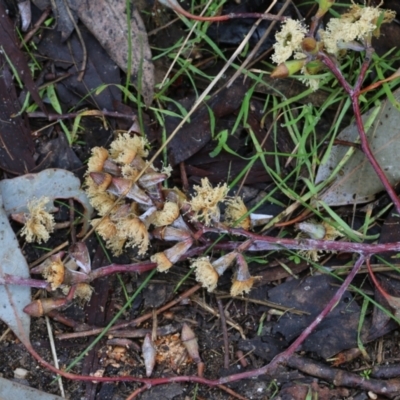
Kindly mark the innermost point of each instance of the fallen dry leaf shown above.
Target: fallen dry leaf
(106, 19)
(357, 182)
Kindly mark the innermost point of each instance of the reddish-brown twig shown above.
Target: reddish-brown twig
(136, 321)
(179, 10)
(86, 113)
(341, 377)
(35, 27)
(224, 333)
(354, 94)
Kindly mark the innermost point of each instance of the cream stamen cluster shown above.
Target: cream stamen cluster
(38, 223)
(115, 174)
(352, 31)
(125, 191)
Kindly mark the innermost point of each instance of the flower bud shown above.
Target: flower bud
(111, 168)
(309, 45)
(189, 340)
(137, 194)
(351, 45)
(139, 164)
(314, 67)
(150, 179)
(180, 223)
(175, 195)
(324, 6)
(288, 68)
(120, 186)
(171, 234)
(169, 257)
(41, 307)
(125, 187)
(101, 179)
(149, 354)
(20, 217)
(242, 281)
(224, 262)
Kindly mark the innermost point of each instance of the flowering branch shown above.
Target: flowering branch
(269, 243)
(353, 31)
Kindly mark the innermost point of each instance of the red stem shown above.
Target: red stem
(179, 10)
(377, 284)
(354, 94)
(17, 280)
(371, 158)
(267, 243)
(115, 268)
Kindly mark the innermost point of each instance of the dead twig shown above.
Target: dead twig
(342, 377)
(136, 321)
(224, 333)
(87, 113)
(213, 312)
(35, 27)
(265, 303)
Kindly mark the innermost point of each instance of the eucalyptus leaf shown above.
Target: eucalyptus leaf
(15, 194)
(52, 183)
(356, 181)
(107, 21)
(13, 298)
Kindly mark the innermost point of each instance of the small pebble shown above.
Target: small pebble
(372, 395)
(20, 373)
